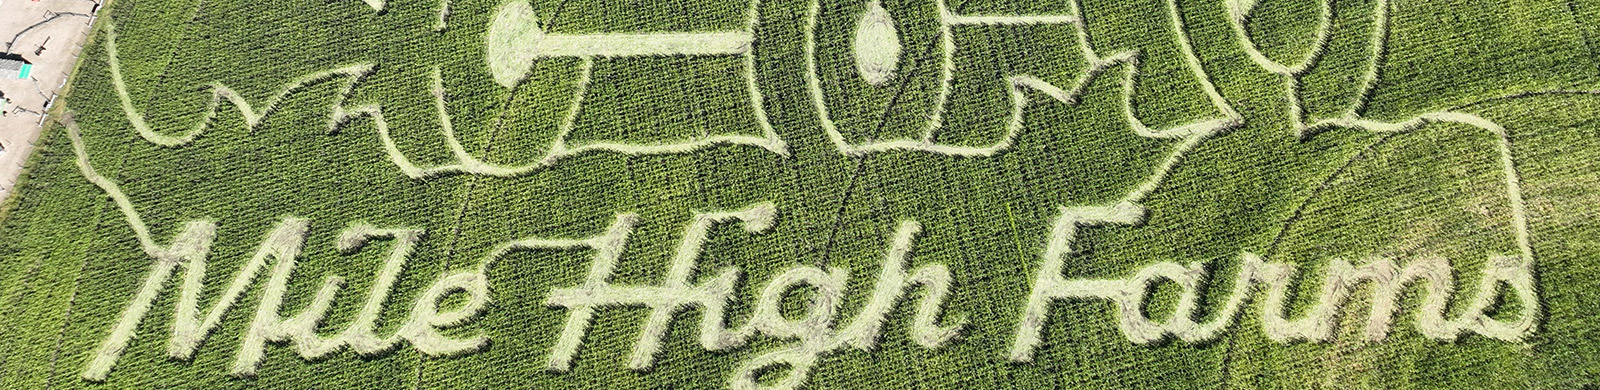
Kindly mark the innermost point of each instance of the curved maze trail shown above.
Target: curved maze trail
(1343, 278)
(1388, 278)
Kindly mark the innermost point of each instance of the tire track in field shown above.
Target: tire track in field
(100, 211)
(161, 78)
(1522, 95)
(472, 184)
(1322, 185)
(1002, 68)
(466, 203)
(1507, 152)
(1294, 218)
(66, 321)
(861, 161)
(25, 291)
(22, 295)
(83, 267)
(1584, 30)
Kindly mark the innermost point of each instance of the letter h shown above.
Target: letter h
(664, 301)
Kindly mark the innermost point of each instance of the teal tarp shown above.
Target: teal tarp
(26, 69)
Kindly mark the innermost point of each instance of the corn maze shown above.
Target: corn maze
(815, 194)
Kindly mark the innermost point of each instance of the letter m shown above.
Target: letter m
(189, 250)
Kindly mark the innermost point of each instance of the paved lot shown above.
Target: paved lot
(48, 34)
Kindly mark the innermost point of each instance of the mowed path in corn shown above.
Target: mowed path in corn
(69, 263)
